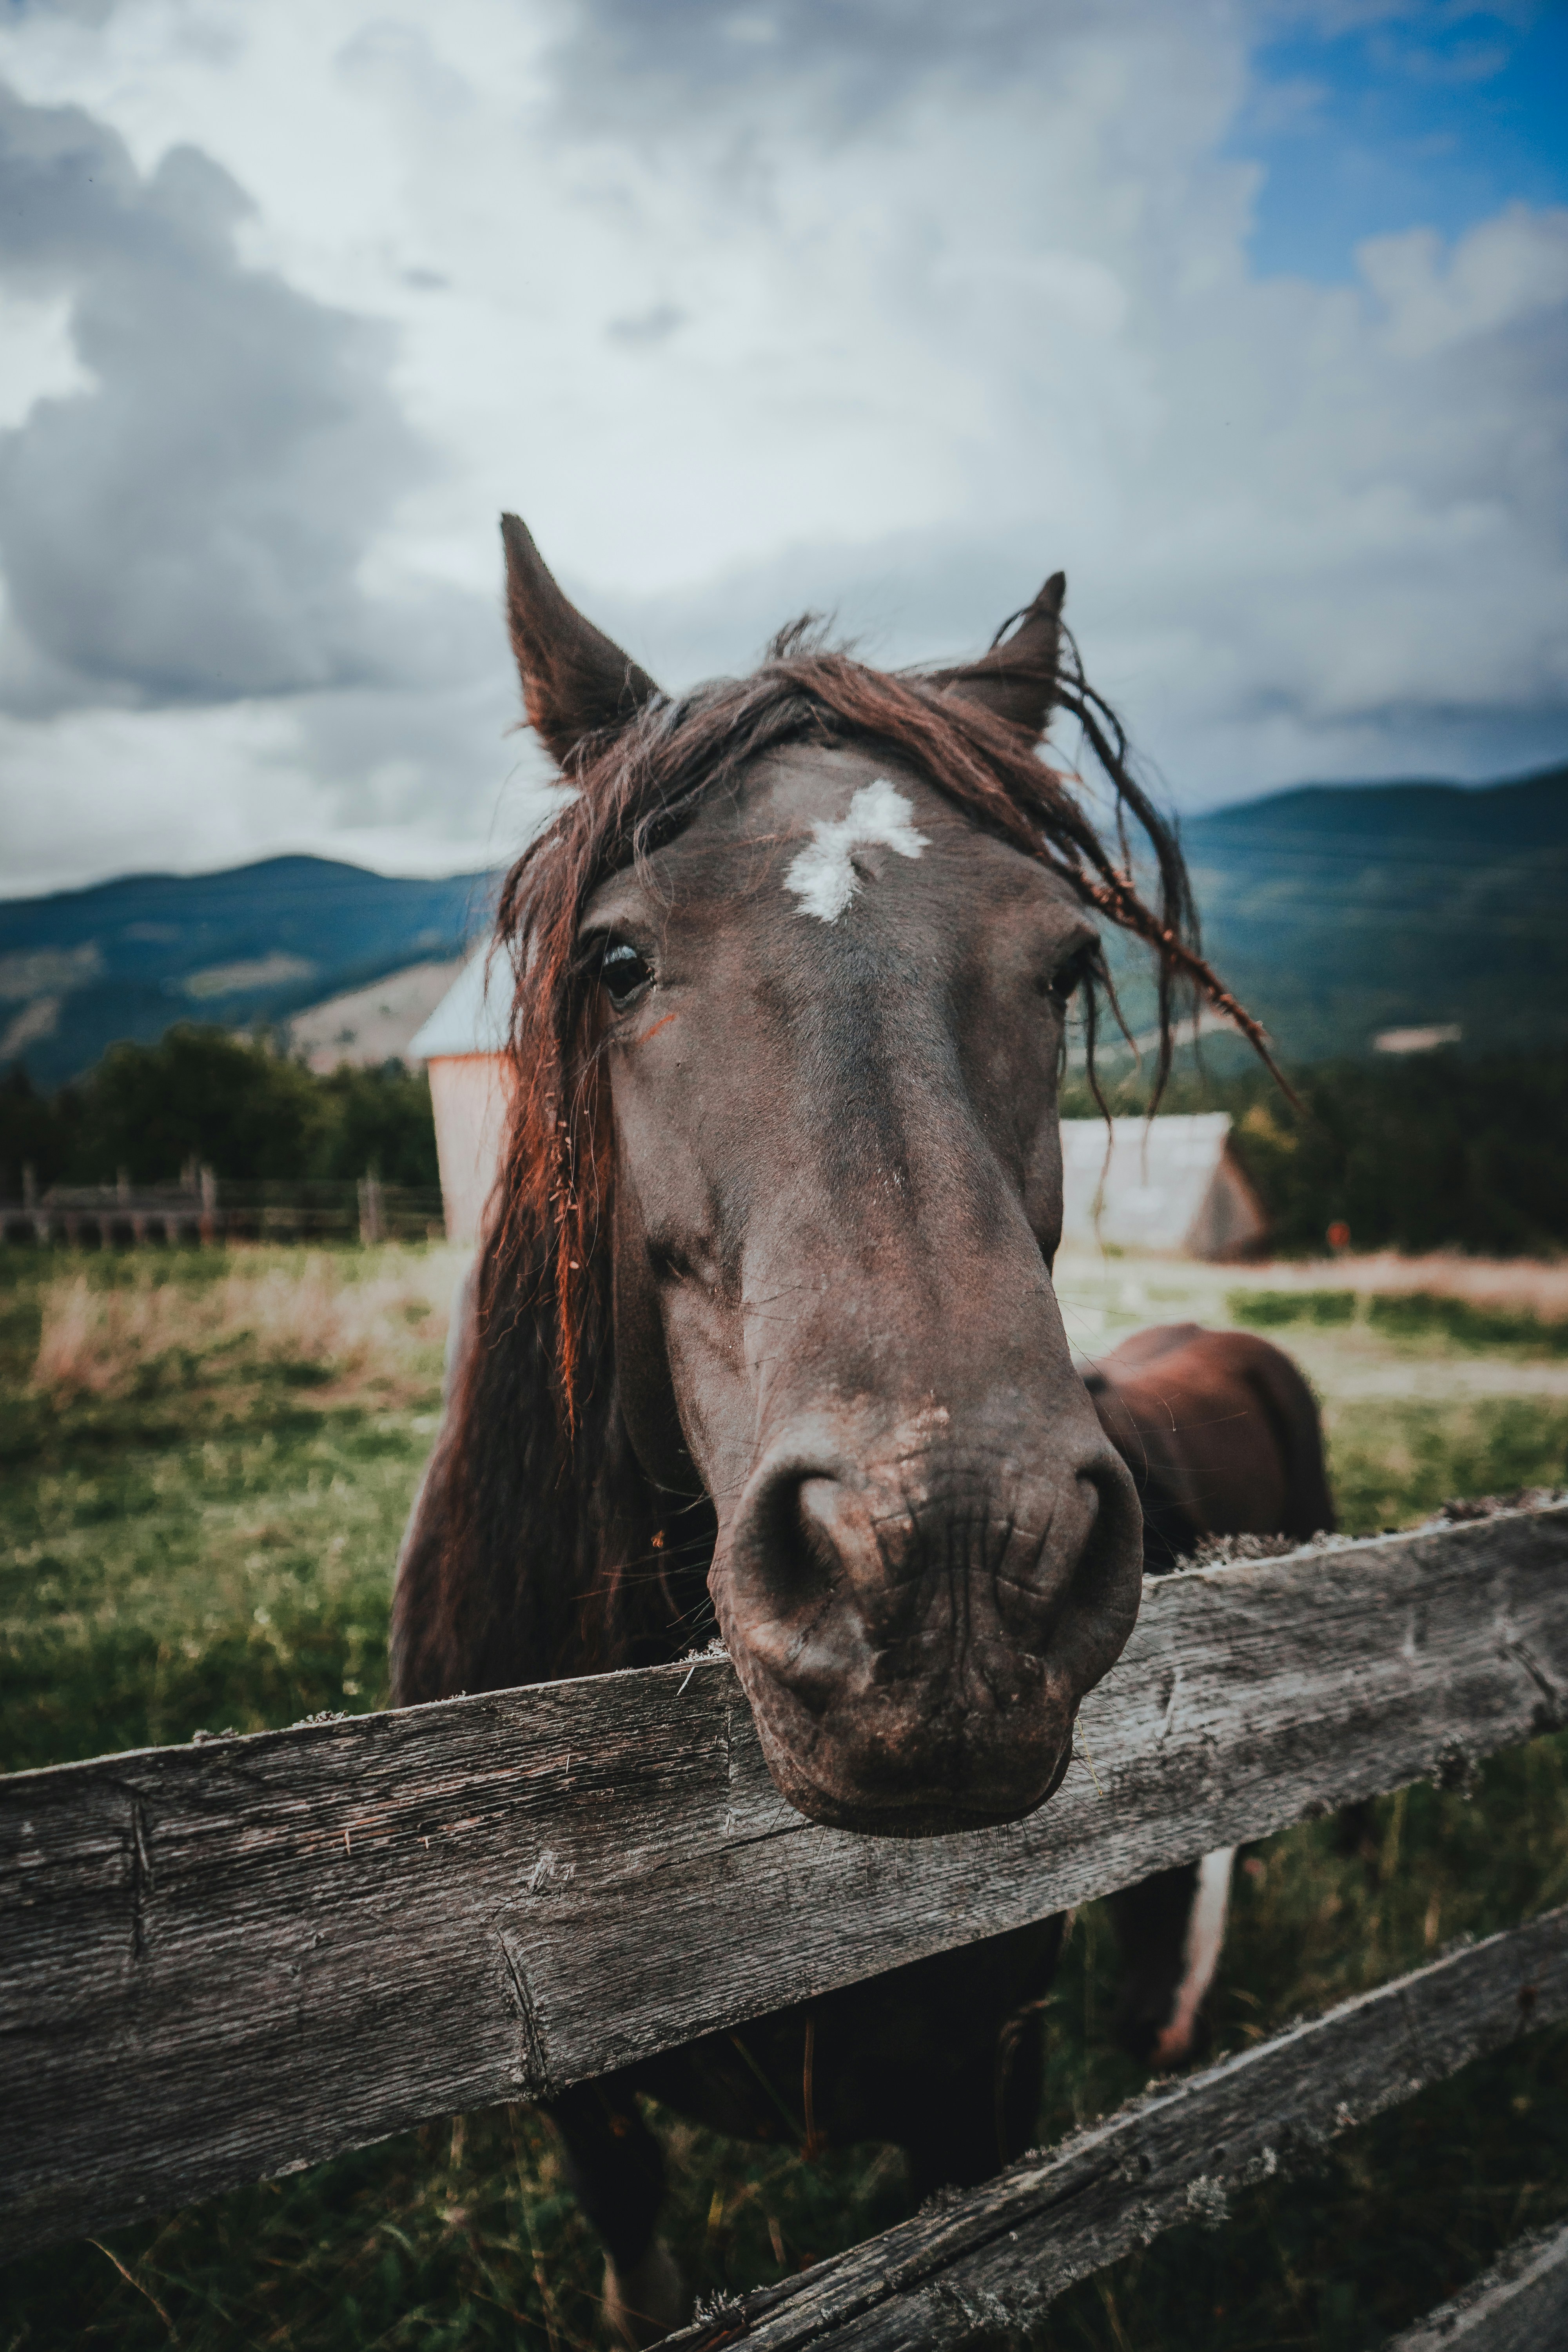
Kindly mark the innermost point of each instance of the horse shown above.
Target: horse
(762, 1331)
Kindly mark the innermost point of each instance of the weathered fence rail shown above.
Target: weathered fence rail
(995, 2259)
(1520, 2305)
(232, 1959)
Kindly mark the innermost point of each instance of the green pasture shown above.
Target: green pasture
(205, 1459)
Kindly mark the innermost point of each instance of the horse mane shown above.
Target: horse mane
(539, 1546)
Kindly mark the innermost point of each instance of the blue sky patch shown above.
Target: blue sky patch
(1434, 117)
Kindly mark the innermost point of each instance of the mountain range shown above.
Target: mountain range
(127, 958)
(1336, 912)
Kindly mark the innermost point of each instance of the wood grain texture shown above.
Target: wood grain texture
(229, 1960)
(985, 2266)
(1520, 2305)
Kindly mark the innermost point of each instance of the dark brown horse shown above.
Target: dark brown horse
(763, 1327)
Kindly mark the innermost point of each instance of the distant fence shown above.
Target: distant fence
(229, 1960)
(213, 1209)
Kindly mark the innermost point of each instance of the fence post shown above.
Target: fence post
(30, 1201)
(370, 1217)
(207, 1228)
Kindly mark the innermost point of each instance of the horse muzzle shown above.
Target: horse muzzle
(915, 1637)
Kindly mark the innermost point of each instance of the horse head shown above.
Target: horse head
(794, 972)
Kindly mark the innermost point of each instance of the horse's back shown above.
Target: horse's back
(1221, 1432)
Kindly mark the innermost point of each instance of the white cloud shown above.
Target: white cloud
(1506, 271)
(185, 524)
(38, 358)
(893, 309)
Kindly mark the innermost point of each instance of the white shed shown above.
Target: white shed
(1170, 1185)
(462, 1045)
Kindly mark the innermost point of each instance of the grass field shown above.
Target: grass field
(205, 1464)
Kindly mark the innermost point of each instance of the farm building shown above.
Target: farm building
(1169, 1184)
(461, 1044)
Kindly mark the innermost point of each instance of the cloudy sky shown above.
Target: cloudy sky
(1251, 313)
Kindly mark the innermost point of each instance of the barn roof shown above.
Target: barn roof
(474, 1015)
(1168, 1184)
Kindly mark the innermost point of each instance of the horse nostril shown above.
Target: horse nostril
(1102, 1600)
(1117, 1520)
(802, 1529)
(823, 1521)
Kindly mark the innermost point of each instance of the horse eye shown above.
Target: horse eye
(1063, 982)
(623, 972)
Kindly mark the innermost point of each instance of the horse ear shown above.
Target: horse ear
(575, 680)
(1017, 678)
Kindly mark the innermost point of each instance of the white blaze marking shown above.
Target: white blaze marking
(1200, 1956)
(822, 875)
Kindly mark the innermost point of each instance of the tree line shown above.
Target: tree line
(238, 1106)
(1437, 1150)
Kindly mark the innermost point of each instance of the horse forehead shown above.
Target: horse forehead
(776, 849)
(828, 801)
(802, 820)
(791, 793)
(791, 797)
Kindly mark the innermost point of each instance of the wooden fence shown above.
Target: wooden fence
(209, 1209)
(230, 1960)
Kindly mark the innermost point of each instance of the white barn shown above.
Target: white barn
(1171, 1184)
(462, 1046)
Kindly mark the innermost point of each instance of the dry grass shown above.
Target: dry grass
(1525, 1285)
(350, 1329)
(1104, 1298)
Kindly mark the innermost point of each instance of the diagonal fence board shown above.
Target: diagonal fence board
(1520, 2305)
(982, 2268)
(228, 1960)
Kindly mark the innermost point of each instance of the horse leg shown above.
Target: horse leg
(615, 2168)
(968, 2136)
(1170, 1929)
(983, 2113)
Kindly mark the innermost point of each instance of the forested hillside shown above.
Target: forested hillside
(81, 969)
(1338, 910)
